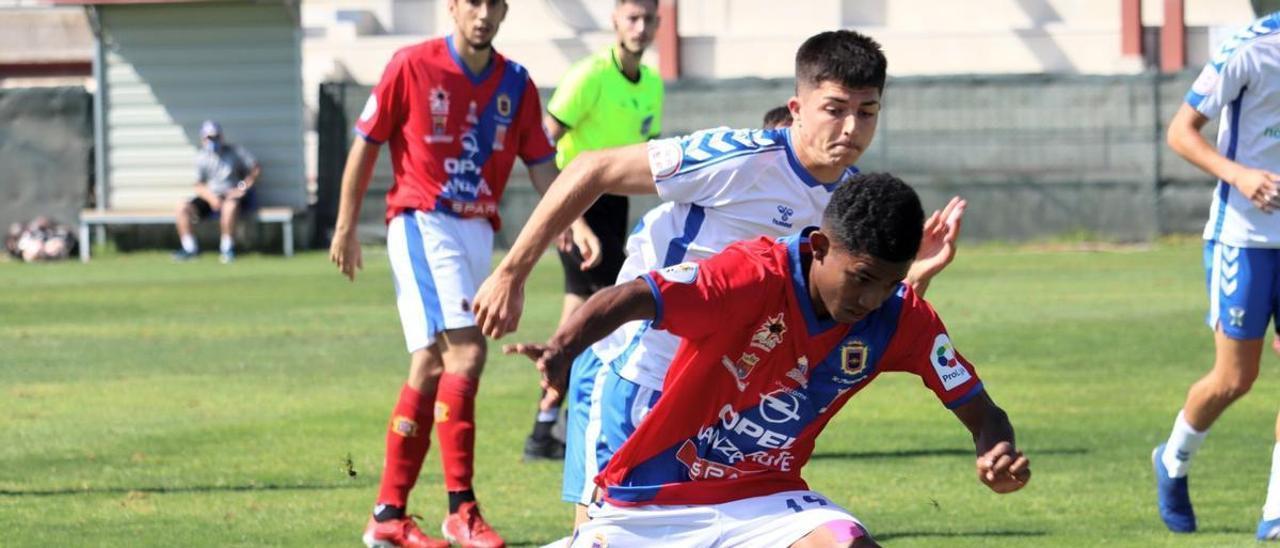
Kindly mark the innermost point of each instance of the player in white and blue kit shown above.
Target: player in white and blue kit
(1242, 249)
(720, 186)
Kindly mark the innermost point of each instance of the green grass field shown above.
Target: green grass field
(144, 402)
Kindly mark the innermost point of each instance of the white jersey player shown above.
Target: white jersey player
(1242, 249)
(720, 186)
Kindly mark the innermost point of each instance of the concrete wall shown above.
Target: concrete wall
(1036, 156)
(46, 153)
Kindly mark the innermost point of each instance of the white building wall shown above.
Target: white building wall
(170, 66)
(744, 38)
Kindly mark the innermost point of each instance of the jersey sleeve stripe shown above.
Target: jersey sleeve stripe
(972, 393)
(657, 298)
(541, 160)
(367, 138)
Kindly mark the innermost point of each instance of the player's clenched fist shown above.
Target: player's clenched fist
(1003, 468)
(498, 304)
(1262, 187)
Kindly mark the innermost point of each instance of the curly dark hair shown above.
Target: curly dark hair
(845, 57)
(875, 214)
(777, 117)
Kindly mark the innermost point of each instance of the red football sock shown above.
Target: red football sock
(456, 426)
(408, 437)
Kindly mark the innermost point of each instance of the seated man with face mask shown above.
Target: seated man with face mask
(225, 175)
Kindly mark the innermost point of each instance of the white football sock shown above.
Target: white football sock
(1183, 443)
(226, 244)
(1271, 510)
(189, 244)
(549, 415)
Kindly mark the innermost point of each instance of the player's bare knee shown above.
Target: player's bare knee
(425, 368)
(465, 351)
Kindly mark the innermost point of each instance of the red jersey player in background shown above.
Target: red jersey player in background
(777, 336)
(456, 115)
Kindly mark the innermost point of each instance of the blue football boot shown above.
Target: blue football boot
(1172, 496)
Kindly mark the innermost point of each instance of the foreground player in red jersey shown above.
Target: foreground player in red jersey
(456, 115)
(777, 336)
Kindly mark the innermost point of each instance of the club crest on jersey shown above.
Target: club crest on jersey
(683, 273)
(439, 101)
(950, 371)
(800, 373)
(853, 357)
(504, 105)
(404, 426)
(740, 369)
(769, 334)
(600, 541)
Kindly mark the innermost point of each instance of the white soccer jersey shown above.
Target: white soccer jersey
(1242, 82)
(721, 186)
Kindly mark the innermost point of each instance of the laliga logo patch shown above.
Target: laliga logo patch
(683, 273)
(370, 108)
(950, 371)
(665, 158)
(1207, 81)
(404, 426)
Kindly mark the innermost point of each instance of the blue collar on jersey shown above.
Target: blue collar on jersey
(475, 78)
(803, 173)
(798, 284)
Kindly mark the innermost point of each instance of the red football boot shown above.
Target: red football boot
(467, 528)
(403, 532)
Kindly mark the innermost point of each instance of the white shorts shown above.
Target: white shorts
(437, 262)
(779, 519)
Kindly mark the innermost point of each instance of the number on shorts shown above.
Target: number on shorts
(809, 500)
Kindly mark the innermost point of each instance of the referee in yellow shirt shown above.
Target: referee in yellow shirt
(607, 100)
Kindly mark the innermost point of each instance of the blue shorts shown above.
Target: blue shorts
(604, 410)
(1243, 289)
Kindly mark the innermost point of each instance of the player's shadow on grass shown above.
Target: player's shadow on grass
(163, 490)
(948, 452)
(957, 534)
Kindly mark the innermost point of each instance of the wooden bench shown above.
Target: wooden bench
(91, 217)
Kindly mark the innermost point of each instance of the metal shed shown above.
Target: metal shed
(161, 67)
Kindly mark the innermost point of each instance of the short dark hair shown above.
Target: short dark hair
(777, 117)
(875, 214)
(845, 57)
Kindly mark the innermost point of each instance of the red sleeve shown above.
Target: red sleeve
(922, 346)
(535, 146)
(386, 107)
(694, 300)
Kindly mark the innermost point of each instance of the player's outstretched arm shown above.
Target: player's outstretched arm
(500, 299)
(937, 245)
(580, 234)
(1260, 186)
(604, 312)
(1001, 466)
(344, 250)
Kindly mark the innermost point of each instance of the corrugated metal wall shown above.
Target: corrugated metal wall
(170, 66)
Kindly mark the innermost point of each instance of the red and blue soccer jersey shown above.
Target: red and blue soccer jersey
(758, 376)
(454, 135)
